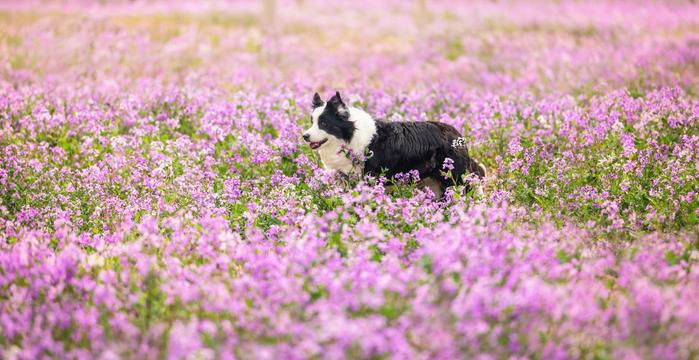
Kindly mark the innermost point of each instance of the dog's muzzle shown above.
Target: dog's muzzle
(317, 144)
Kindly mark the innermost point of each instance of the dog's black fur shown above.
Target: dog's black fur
(399, 147)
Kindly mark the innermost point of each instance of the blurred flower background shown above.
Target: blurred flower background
(156, 200)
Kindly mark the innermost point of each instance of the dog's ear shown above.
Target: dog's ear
(336, 99)
(317, 102)
(336, 103)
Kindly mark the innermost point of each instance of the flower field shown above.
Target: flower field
(157, 201)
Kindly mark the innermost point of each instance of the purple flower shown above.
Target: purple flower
(448, 164)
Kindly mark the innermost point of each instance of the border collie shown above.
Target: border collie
(393, 147)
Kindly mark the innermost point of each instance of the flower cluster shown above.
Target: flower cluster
(459, 143)
(410, 176)
(156, 200)
(357, 158)
(448, 164)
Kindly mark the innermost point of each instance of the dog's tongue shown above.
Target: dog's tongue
(314, 145)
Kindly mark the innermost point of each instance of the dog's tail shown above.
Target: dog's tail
(483, 183)
(485, 170)
(474, 167)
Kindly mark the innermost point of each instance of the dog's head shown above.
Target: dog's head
(330, 123)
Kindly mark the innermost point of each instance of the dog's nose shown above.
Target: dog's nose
(307, 137)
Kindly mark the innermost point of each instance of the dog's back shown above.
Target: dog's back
(399, 147)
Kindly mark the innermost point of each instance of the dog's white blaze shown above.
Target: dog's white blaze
(315, 132)
(316, 114)
(330, 154)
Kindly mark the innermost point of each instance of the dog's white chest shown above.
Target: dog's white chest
(334, 159)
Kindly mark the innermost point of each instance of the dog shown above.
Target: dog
(392, 147)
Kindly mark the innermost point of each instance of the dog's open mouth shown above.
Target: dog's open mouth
(317, 144)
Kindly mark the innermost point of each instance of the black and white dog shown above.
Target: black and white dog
(395, 147)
